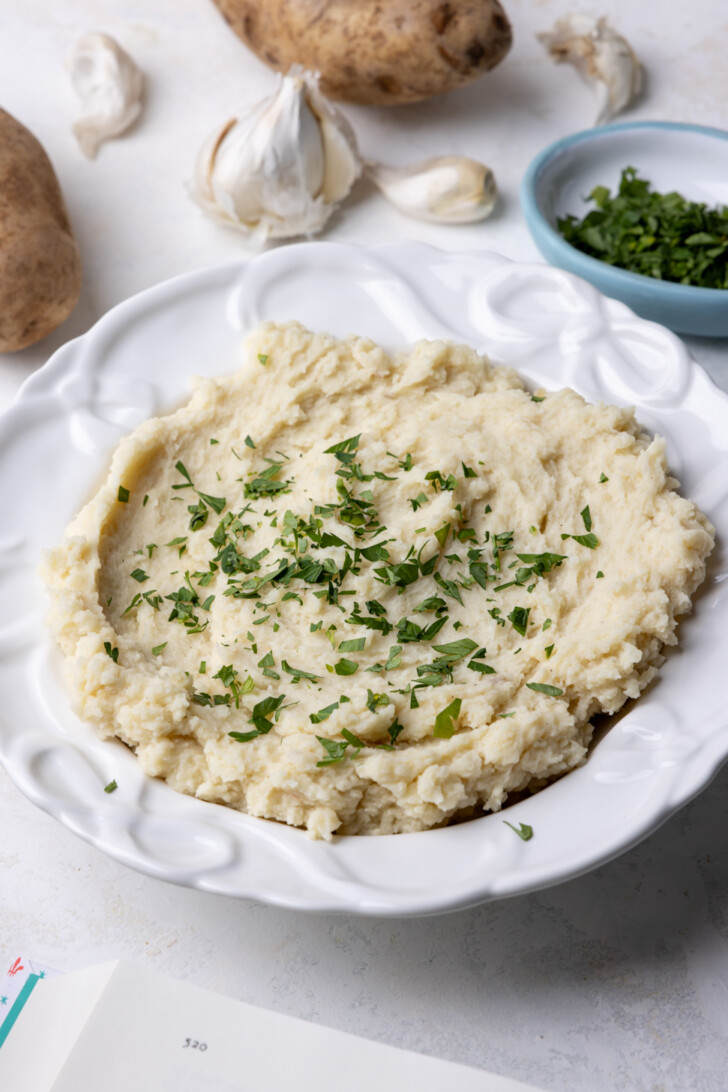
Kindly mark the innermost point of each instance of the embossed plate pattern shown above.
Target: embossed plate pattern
(556, 330)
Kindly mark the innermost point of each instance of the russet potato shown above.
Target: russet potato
(377, 52)
(40, 265)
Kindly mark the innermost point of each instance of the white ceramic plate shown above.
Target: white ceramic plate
(137, 361)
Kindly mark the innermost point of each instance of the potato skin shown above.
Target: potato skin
(40, 265)
(377, 52)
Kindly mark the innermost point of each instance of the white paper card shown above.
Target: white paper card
(120, 1027)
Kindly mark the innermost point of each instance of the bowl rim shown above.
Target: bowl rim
(584, 264)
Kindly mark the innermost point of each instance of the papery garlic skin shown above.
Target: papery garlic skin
(110, 86)
(599, 54)
(280, 169)
(449, 189)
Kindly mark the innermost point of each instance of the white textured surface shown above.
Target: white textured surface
(618, 979)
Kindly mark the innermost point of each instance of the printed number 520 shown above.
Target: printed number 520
(194, 1044)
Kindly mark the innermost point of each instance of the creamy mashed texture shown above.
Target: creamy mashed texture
(365, 594)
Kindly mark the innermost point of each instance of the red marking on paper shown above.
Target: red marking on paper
(17, 966)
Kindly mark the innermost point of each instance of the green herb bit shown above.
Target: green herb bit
(548, 650)
(336, 750)
(418, 501)
(405, 463)
(374, 701)
(123, 494)
(260, 719)
(111, 787)
(586, 516)
(484, 669)
(249, 442)
(202, 668)
(547, 624)
(393, 658)
(468, 471)
(263, 358)
(537, 397)
(298, 673)
(456, 650)
(545, 688)
(519, 619)
(394, 731)
(112, 653)
(355, 645)
(449, 587)
(346, 667)
(603, 478)
(323, 714)
(441, 484)
(590, 541)
(144, 502)
(523, 830)
(314, 627)
(158, 649)
(433, 602)
(444, 721)
(599, 575)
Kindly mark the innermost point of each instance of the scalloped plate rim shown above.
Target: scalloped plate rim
(36, 387)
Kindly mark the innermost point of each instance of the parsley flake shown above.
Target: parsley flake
(545, 688)
(444, 721)
(523, 830)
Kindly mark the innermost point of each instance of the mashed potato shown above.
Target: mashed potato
(362, 594)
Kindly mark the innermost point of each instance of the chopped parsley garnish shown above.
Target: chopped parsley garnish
(323, 714)
(346, 667)
(484, 669)
(603, 477)
(590, 541)
(298, 673)
(444, 721)
(111, 787)
(249, 442)
(519, 619)
(600, 574)
(263, 358)
(405, 463)
(661, 235)
(112, 653)
(139, 575)
(123, 494)
(523, 830)
(545, 688)
(336, 749)
(260, 719)
(548, 650)
(586, 516)
(158, 649)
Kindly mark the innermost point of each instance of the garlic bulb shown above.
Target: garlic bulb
(450, 189)
(280, 169)
(110, 87)
(599, 54)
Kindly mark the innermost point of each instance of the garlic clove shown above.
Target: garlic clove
(281, 168)
(449, 189)
(600, 55)
(110, 87)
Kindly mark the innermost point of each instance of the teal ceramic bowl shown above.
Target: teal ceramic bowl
(691, 159)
